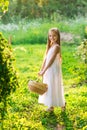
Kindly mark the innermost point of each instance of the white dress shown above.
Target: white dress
(53, 78)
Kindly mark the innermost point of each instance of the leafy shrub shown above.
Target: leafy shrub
(86, 32)
(4, 6)
(82, 55)
(8, 76)
(82, 51)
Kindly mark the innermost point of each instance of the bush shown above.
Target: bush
(8, 76)
(82, 51)
(86, 32)
(82, 68)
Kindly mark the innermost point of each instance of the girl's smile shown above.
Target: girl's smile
(53, 37)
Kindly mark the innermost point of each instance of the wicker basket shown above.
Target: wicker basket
(37, 87)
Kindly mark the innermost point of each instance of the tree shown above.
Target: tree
(46, 8)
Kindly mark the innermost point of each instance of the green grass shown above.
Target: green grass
(36, 31)
(24, 112)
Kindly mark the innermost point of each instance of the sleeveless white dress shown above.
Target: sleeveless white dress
(53, 78)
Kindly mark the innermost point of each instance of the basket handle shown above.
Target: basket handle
(40, 78)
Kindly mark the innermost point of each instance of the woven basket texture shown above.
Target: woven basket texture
(37, 87)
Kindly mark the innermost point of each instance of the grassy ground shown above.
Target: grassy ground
(24, 112)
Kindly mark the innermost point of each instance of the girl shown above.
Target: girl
(51, 72)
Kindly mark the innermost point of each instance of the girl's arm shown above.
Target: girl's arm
(56, 50)
(43, 64)
(42, 67)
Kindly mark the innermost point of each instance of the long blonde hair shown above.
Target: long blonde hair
(48, 40)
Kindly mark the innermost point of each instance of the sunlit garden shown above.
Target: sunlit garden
(22, 48)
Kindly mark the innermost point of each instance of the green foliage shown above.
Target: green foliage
(49, 9)
(80, 70)
(35, 31)
(3, 6)
(8, 76)
(24, 112)
(82, 51)
(86, 32)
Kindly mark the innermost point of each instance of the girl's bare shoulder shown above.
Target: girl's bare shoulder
(57, 47)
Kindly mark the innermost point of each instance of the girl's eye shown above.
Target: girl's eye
(52, 36)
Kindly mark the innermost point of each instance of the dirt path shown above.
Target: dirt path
(66, 36)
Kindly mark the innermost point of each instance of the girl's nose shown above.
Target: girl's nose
(52, 37)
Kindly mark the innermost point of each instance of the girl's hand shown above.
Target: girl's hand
(41, 73)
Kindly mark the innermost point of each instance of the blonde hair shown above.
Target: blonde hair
(48, 40)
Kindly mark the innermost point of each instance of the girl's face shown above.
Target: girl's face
(53, 37)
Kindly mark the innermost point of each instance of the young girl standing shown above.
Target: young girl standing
(52, 73)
